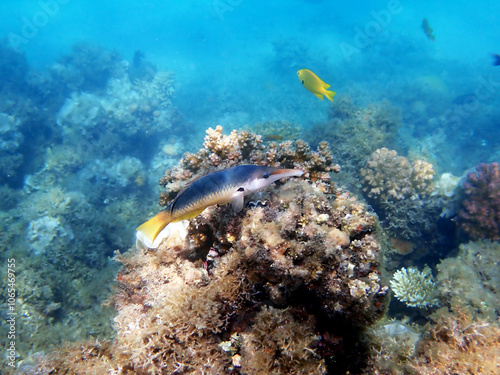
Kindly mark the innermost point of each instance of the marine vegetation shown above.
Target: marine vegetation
(356, 133)
(462, 336)
(276, 130)
(479, 214)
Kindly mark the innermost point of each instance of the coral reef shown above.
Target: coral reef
(88, 67)
(472, 278)
(357, 132)
(76, 143)
(11, 140)
(456, 343)
(268, 290)
(242, 147)
(401, 193)
(388, 176)
(479, 215)
(415, 288)
(277, 130)
(124, 108)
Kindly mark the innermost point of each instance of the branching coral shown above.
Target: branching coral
(388, 176)
(415, 288)
(479, 216)
(356, 132)
(242, 147)
(401, 193)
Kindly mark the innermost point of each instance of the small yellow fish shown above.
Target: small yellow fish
(314, 84)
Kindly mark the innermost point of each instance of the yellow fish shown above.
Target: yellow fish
(314, 84)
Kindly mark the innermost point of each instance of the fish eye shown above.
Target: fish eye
(266, 175)
(241, 189)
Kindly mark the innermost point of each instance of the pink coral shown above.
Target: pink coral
(479, 216)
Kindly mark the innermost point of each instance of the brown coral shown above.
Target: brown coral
(243, 147)
(388, 176)
(286, 277)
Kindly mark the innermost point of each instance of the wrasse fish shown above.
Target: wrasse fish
(314, 84)
(428, 30)
(272, 137)
(496, 59)
(226, 186)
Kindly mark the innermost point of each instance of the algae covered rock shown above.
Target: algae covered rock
(277, 288)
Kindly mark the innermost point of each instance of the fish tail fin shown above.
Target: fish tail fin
(330, 95)
(153, 226)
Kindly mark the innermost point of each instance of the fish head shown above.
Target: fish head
(265, 176)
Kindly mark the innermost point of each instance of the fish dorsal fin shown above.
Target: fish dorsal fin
(326, 85)
(237, 201)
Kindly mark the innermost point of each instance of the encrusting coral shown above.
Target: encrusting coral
(281, 287)
(479, 216)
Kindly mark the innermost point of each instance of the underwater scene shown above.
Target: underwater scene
(244, 187)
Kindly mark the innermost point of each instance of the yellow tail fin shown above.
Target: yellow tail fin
(153, 226)
(330, 94)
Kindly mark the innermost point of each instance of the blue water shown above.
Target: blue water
(223, 52)
(234, 63)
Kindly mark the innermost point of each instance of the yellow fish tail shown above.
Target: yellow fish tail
(151, 228)
(329, 95)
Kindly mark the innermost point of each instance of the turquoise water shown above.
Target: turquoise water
(98, 99)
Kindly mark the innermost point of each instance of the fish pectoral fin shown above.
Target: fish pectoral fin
(318, 95)
(237, 201)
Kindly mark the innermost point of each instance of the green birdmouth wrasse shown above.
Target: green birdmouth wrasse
(226, 186)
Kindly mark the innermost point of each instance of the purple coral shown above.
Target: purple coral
(479, 216)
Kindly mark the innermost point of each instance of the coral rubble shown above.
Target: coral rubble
(479, 216)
